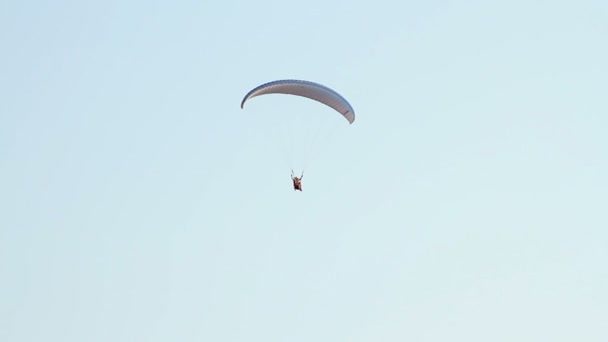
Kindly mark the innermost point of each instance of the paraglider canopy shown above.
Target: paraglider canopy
(308, 89)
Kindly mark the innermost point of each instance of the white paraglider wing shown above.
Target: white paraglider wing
(311, 90)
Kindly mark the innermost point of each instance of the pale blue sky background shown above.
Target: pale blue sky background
(468, 202)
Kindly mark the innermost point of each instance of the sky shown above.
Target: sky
(467, 202)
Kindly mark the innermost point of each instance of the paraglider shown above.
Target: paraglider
(297, 181)
(306, 89)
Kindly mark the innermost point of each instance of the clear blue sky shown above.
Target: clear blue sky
(468, 202)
